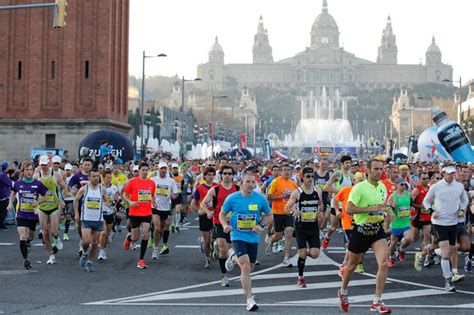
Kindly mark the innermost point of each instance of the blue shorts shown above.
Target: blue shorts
(399, 232)
(242, 248)
(93, 225)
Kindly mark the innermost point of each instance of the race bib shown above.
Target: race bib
(26, 204)
(162, 191)
(375, 217)
(403, 213)
(49, 197)
(144, 196)
(246, 222)
(93, 203)
(309, 214)
(253, 207)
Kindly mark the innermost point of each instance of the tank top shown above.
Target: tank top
(219, 197)
(92, 204)
(422, 214)
(52, 200)
(401, 211)
(319, 182)
(308, 207)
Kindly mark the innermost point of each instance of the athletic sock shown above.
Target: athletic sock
(455, 270)
(166, 235)
(222, 265)
(471, 251)
(24, 249)
(143, 248)
(377, 299)
(129, 237)
(445, 266)
(66, 226)
(301, 263)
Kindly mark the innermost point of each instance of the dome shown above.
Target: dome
(216, 46)
(133, 92)
(324, 22)
(433, 48)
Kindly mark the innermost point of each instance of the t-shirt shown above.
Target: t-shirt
(364, 195)
(401, 211)
(178, 179)
(164, 188)
(278, 186)
(200, 193)
(78, 180)
(112, 190)
(390, 186)
(343, 196)
(142, 192)
(26, 193)
(246, 213)
(119, 179)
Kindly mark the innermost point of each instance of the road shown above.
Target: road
(178, 283)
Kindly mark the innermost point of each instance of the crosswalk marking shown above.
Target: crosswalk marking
(6, 244)
(295, 275)
(186, 246)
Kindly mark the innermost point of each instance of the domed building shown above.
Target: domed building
(324, 64)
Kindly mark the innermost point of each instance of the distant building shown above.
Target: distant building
(466, 112)
(324, 63)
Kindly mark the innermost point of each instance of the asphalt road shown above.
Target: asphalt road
(178, 283)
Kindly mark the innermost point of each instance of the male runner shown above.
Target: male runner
(177, 203)
(108, 213)
(421, 221)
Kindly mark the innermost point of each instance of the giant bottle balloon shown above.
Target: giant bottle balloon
(452, 137)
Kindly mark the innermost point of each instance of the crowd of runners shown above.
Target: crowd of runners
(375, 204)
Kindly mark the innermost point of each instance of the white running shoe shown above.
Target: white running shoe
(286, 262)
(251, 305)
(59, 243)
(225, 281)
(155, 253)
(51, 260)
(229, 263)
(102, 255)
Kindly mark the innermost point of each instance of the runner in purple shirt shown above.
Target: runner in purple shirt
(28, 192)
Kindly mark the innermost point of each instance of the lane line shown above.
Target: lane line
(271, 276)
(6, 244)
(186, 246)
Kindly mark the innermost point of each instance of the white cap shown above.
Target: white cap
(315, 161)
(135, 168)
(44, 160)
(297, 166)
(449, 169)
(162, 164)
(108, 166)
(56, 159)
(68, 167)
(174, 165)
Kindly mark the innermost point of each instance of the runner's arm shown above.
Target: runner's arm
(75, 202)
(352, 208)
(11, 200)
(290, 206)
(204, 209)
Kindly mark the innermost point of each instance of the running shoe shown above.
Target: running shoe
(80, 251)
(391, 262)
(251, 305)
(343, 301)
(102, 255)
(360, 268)
(401, 255)
(27, 264)
(325, 242)
(268, 248)
(275, 247)
(418, 263)
(51, 260)
(89, 267)
(155, 253)
(229, 263)
(65, 237)
(207, 264)
(448, 286)
(126, 243)
(201, 244)
(55, 249)
(141, 264)
(225, 281)
(301, 283)
(59, 243)
(341, 270)
(164, 250)
(428, 260)
(286, 262)
(457, 277)
(437, 259)
(280, 246)
(82, 261)
(467, 264)
(380, 308)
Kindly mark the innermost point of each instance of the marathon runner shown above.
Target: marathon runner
(108, 213)
(422, 221)
(68, 210)
(176, 204)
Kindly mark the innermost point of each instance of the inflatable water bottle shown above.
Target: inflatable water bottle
(452, 137)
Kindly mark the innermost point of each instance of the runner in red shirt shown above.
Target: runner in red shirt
(139, 193)
(421, 220)
(392, 175)
(217, 195)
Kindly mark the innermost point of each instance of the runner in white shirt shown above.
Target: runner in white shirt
(108, 212)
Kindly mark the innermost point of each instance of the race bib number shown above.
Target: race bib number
(246, 222)
(49, 197)
(93, 203)
(288, 192)
(26, 204)
(162, 191)
(144, 196)
(375, 217)
(253, 207)
(403, 213)
(309, 214)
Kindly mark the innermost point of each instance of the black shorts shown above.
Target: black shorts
(282, 221)
(109, 218)
(446, 233)
(50, 212)
(205, 224)
(163, 214)
(305, 238)
(31, 224)
(333, 211)
(68, 208)
(175, 202)
(417, 224)
(136, 221)
(461, 230)
(219, 232)
(361, 242)
(243, 248)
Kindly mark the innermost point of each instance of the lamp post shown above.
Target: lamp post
(142, 104)
(461, 116)
(158, 126)
(212, 131)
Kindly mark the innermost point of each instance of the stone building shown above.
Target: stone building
(324, 63)
(58, 85)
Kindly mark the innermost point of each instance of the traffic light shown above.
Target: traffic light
(60, 13)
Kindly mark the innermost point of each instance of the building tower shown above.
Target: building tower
(433, 54)
(262, 51)
(216, 54)
(387, 53)
(324, 32)
(175, 98)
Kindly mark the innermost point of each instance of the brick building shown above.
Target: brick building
(58, 85)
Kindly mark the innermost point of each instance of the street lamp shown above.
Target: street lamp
(212, 131)
(158, 125)
(461, 116)
(142, 104)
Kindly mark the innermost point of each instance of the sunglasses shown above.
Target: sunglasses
(425, 178)
(309, 176)
(438, 177)
(210, 174)
(227, 173)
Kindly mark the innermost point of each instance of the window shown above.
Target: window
(53, 70)
(324, 40)
(19, 70)
(50, 140)
(86, 70)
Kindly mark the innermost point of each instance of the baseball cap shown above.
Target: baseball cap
(174, 165)
(403, 167)
(297, 166)
(162, 164)
(184, 165)
(359, 175)
(108, 166)
(136, 168)
(400, 181)
(44, 160)
(449, 169)
(68, 167)
(56, 159)
(4, 165)
(315, 161)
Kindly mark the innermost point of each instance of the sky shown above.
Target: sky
(185, 30)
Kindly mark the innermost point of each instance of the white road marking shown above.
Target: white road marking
(307, 274)
(15, 272)
(370, 297)
(186, 246)
(6, 244)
